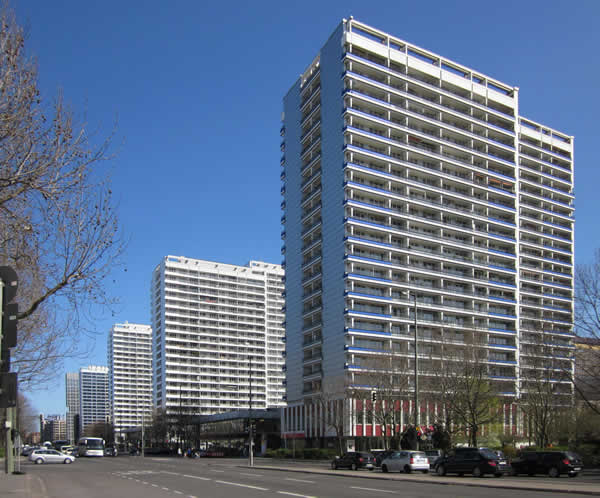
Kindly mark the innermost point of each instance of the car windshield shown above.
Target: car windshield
(417, 454)
(490, 455)
(572, 456)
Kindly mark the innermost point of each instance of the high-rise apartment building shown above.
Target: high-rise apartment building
(130, 375)
(94, 402)
(218, 336)
(72, 397)
(407, 174)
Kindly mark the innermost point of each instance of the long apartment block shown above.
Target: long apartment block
(130, 375)
(218, 336)
(405, 173)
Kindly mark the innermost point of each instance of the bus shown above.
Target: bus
(91, 447)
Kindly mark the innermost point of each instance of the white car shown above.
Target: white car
(44, 455)
(406, 461)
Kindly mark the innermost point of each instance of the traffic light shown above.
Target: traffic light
(8, 336)
(373, 396)
(8, 387)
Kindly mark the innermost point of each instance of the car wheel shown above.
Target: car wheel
(441, 470)
(460, 474)
(68, 460)
(371, 469)
(498, 474)
(354, 467)
(39, 461)
(477, 472)
(384, 468)
(425, 471)
(553, 472)
(573, 474)
(407, 469)
(334, 465)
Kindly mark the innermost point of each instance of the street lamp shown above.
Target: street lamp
(250, 431)
(416, 370)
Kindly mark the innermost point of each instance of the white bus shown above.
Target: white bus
(91, 447)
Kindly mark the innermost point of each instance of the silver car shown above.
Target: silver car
(44, 455)
(406, 461)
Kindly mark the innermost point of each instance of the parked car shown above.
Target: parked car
(553, 463)
(472, 461)
(381, 455)
(354, 460)
(46, 455)
(406, 461)
(111, 451)
(433, 456)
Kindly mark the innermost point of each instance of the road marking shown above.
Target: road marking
(166, 489)
(213, 470)
(294, 494)
(251, 475)
(242, 485)
(191, 496)
(167, 472)
(373, 489)
(177, 492)
(299, 480)
(197, 477)
(144, 482)
(155, 485)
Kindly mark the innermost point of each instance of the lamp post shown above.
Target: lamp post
(416, 369)
(250, 431)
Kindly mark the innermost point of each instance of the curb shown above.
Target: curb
(496, 485)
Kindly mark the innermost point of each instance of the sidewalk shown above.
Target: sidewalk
(21, 486)
(545, 485)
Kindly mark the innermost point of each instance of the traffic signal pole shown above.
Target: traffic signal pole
(9, 466)
(8, 380)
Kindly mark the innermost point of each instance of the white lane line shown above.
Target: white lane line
(197, 477)
(212, 470)
(167, 472)
(299, 480)
(155, 485)
(192, 496)
(166, 489)
(242, 485)
(177, 492)
(251, 475)
(373, 489)
(144, 482)
(294, 494)
(136, 480)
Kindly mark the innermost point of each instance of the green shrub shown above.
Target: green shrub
(509, 451)
(311, 453)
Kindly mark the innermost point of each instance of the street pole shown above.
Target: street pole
(142, 432)
(416, 369)
(250, 431)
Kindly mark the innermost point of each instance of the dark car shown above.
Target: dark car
(472, 461)
(381, 455)
(553, 463)
(111, 451)
(354, 460)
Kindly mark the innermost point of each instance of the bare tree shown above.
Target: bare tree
(587, 321)
(58, 225)
(389, 383)
(468, 397)
(542, 401)
(331, 404)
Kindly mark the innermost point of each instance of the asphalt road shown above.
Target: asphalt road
(136, 477)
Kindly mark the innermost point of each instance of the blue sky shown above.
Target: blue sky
(197, 87)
